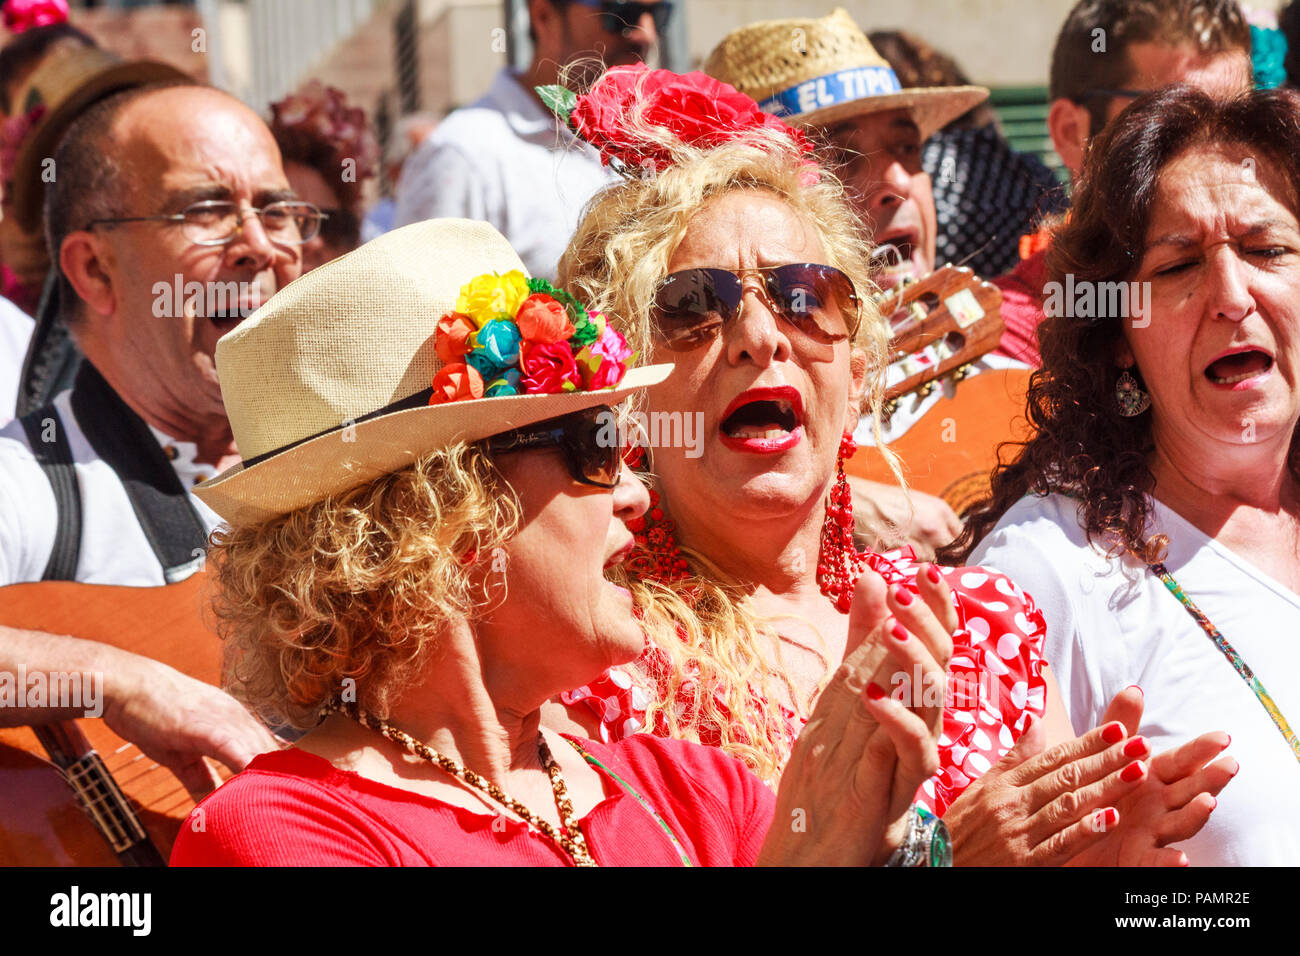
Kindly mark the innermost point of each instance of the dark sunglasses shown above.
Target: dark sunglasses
(616, 16)
(588, 439)
(691, 307)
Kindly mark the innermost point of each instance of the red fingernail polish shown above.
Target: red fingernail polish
(902, 596)
(1132, 772)
(1113, 733)
(874, 691)
(1136, 747)
(932, 573)
(900, 633)
(1111, 817)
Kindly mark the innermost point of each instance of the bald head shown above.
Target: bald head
(108, 163)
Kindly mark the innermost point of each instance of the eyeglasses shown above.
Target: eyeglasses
(618, 16)
(691, 307)
(216, 222)
(587, 438)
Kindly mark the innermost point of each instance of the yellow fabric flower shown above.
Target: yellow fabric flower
(492, 296)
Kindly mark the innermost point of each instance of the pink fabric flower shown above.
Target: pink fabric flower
(549, 368)
(604, 362)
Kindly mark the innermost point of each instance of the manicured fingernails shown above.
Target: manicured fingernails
(899, 633)
(1113, 733)
(932, 573)
(1137, 747)
(902, 595)
(1133, 771)
(1109, 817)
(874, 691)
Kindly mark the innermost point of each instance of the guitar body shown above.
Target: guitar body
(42, 823)
(951, 451)
(941, 325)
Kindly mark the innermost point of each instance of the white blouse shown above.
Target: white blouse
(1112, 623)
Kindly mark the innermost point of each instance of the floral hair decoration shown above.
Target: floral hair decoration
(511, 335)
(23, 15)
(699, 110)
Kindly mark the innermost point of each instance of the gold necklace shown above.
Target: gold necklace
(570, 838)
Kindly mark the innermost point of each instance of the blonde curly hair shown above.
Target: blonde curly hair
(358, 586)
(713, 640)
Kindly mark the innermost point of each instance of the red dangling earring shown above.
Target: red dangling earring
(840, 563)
(656, 556)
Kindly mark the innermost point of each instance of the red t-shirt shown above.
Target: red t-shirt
(292, 808)
(1022, 309)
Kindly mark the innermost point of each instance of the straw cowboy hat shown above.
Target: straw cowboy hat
(819, 72)
(67, 82)
(327, 384)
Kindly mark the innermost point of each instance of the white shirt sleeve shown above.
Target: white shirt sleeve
(441, 182)
(27, 512)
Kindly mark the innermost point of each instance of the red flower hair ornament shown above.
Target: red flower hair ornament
(699, 110)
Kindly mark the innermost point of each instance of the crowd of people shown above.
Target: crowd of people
(474, 612)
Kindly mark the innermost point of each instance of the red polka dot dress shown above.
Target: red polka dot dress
(995, 682)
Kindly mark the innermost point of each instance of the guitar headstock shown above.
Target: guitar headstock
(939, 323)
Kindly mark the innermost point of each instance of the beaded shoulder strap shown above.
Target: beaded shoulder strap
(672, 837)
(1228, 651)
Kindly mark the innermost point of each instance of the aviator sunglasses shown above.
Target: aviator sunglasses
(588, 440)
(691, 307)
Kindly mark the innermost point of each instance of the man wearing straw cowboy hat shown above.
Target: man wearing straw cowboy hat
(164, 198)
(826, 75)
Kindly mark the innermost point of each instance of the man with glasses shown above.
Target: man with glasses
(506, 159)
(170, 221)
(1108, 53)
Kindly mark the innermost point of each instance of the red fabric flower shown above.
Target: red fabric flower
(455, 382)
(453, 331)
(549, 368)
(21, 15)
(542, 320)
(698, 109)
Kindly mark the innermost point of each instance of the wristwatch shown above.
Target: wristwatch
(926, 842)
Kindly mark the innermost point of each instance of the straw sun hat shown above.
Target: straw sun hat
(67, 82)
(819, 72)
(327, 384)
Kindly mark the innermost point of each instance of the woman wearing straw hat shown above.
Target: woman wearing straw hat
(729, 252)
(415, 562)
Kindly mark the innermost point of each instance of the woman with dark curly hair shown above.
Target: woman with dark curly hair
(1155, 515)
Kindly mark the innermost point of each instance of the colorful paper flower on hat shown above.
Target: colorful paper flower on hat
(21, 15)
(698, 109)
(486, 297)
(510, 335)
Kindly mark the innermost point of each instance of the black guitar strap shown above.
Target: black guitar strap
(162, 506)
(49, 440)
(122, 439)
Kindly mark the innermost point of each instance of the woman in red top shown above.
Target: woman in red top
(732, 254)
(413, 570)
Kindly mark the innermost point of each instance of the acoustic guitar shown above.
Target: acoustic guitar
(940, 325)
(74, 793)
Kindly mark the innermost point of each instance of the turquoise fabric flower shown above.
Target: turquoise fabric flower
(1267, 57)
(499, 338)
(507, 384)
